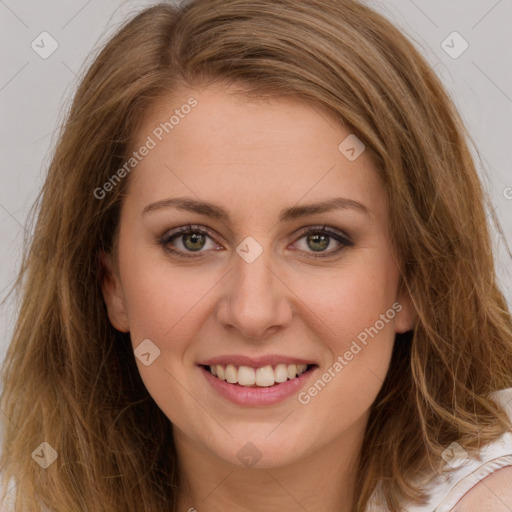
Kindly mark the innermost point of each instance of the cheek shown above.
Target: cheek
(348, 301)
(359, 310)
(357, 307)
(167, 305)
(162, 298)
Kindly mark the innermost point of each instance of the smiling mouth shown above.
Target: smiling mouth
(265, 376)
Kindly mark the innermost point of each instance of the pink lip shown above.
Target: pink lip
(254, 362)
(249, 396)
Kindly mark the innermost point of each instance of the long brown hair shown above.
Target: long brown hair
(70, 378)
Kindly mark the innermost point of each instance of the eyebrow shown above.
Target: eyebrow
(287, 214)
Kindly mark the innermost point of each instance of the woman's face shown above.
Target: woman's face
(262, 280)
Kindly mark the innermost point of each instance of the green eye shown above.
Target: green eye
(318, 241)
(193, 241)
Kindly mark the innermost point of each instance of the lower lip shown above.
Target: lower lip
(243, 395)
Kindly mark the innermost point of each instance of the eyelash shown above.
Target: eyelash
(190, 229)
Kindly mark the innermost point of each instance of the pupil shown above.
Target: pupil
(321, 239)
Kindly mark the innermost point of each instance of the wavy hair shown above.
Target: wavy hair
(70, 378)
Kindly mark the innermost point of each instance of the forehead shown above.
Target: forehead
(214, 143)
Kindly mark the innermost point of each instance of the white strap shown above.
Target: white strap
(462, 487)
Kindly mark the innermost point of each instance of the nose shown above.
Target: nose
(256, 301)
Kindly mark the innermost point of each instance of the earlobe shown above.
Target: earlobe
(407, 315)
(113, 293)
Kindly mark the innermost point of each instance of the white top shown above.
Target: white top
(445, 491)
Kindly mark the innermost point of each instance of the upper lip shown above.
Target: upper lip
(254, 362)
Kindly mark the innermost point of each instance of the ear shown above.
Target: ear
(113, 293)
(407, 315)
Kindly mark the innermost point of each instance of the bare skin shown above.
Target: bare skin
(298, 298)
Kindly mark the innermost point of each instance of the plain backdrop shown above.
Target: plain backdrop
(35, 91)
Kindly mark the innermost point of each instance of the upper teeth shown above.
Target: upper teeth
(265, 376)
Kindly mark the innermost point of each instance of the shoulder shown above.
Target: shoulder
(492, 494)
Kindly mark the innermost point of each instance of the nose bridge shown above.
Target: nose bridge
(256, 299)
(254, 278)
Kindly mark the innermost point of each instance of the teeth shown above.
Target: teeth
(264, 377)
(246, 376)
(281, 373)
(291, 370)
(231, 374)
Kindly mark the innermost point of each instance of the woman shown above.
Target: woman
(261, 279)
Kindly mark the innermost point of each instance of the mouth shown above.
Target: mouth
(260, 377)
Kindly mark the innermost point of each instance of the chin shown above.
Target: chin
(261, 450)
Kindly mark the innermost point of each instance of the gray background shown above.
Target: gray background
(34, 93)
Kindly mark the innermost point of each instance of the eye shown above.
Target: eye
(191, 239)
(187, 240)
(319, 238)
